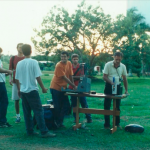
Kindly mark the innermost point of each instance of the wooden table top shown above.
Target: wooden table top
(100, 95)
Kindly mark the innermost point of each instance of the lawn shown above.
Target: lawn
(134, 109)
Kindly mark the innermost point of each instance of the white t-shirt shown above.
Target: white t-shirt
(26, 72)
(111, 71)
(2, 75)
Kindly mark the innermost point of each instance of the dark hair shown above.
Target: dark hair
(74, 55)
(19, 44)
(64, 52)
(1, 49)
(26, 49)
(118, 54)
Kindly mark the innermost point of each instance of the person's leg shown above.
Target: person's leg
(84, 104)
(36, 105)
(16, 98)
(27, 113)
(74, 104)
(3, 103)
(118, 101)
(65, 105)
(57, 105)
(107, 104)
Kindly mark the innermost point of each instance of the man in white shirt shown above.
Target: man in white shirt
(114, 69)
(27, 75)
(3, 95)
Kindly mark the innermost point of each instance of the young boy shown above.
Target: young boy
(12, 66)
(3, 95)
(78, 72)
(27, 73)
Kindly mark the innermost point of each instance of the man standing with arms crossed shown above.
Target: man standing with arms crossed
(12, 66)
(62, 76)
(114, 69)
(78, 72)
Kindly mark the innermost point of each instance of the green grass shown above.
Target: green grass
(134, 109)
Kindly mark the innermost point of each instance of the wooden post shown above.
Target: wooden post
(78, 125)
(114, 117)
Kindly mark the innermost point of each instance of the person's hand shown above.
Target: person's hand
(19, 93)
(44, 90)
(75, 88)
(9, 72)
(11, 82)
(112, 83)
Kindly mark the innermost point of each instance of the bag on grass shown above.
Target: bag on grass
(134, 128)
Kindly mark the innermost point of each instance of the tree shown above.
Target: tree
(87, 31)
(130, 37)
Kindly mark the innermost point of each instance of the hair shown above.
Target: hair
(64, 52)
(118, 54)
(19, 44)
(26, 49)
(1, 49)
(74, 55)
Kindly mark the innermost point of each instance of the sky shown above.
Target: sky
(18, 18)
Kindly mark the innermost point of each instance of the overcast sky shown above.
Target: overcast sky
(18, 18)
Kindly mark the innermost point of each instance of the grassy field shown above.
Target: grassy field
(134, 109)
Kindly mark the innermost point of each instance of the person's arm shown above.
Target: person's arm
(5, 71)
(71, 79)
(69, 82)
(105, 78)
(44, 90)
(18, 86)
(125, 82)
(10, 76)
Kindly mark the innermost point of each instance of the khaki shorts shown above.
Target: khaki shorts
(15, 92)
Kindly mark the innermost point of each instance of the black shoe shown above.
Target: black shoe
(5, 125)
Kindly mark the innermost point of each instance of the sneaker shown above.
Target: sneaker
(5, 125)
(48, 134)
(18, 119)
(89, 120)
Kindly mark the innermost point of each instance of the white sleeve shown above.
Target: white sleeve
(17, 72)
(37, 71)
(124, 71)
(106, 70)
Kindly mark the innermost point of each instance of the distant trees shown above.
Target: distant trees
(94, 36)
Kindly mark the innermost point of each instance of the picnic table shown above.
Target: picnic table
(113, 112)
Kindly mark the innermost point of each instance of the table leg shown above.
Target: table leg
(78, 125)
(114, 117)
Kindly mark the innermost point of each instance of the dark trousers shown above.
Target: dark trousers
(83, 103)
(61, 105)
(107, 104)
(32, 101)
(3, 102)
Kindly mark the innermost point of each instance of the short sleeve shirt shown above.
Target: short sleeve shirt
(61, 70)
(79, 73)
(26, 72)
(2, 75)
(111, 71)
(15, 61)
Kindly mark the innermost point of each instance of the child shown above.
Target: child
(27, 73)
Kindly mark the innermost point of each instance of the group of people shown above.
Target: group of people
(26, 74)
